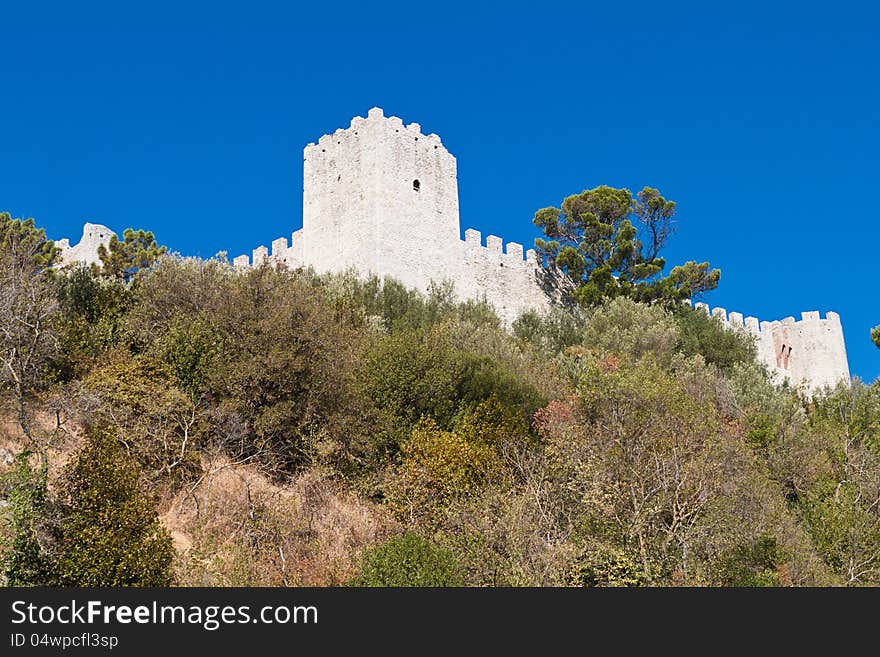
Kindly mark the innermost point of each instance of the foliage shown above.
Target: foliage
(28, 340)
(21, 238)
(698, 333)
(609, 244)
(122, 259)
(607, 565)
(283, 364)
(92, 310)
(438, 468)
(841, 500)
(645, 468)
(392, 307)
(552, 332)
(425, 373)
(287, 423)
(190, 349)
(758, 563)
(110, 535)
(875, 335)
(408, 560)
(160, 425)
(622, 326)
(26, 557)
(27, 306)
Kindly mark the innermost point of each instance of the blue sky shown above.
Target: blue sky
(759, 119)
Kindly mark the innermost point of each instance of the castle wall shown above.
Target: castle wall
(501, 275)
(381, 197)
(339, 206)
(809, 353)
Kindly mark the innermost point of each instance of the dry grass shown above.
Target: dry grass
(236, 528)
(61, 443)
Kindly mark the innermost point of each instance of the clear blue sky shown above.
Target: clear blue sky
(759, 119)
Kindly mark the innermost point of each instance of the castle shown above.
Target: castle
(381, 178)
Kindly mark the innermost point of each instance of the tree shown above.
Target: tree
(875, 335)
(21, 236)
(91, 309)
(609, 244)
(124, 258)
(842, 508)
(698, 333)
(27, 311)
(652, 478)
(137, 401)
(440, 467)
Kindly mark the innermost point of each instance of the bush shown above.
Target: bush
(399, 308)
(27, 536)
(622, 326)
(698, 333)
(426, 373)
(283, 364)
(110, 534)
(440, 467)
(607, 566)
(551, 332)
(408, 560)
(759, 563)
(90, 321)
(139, 404)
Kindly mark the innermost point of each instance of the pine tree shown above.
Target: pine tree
(124, 258)
(608, 242)
(20, 237)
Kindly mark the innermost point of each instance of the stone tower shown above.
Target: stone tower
(380, 197)
(810, 353)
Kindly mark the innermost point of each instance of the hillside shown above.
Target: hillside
(184, 423)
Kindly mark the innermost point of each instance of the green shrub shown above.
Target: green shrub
(551, 332)
(27, 537)
(140, 405)
(110, 534)
(427, 373)
(758, 563)
(698, 333)
(621, 326)
(408, 560)
(90, 321)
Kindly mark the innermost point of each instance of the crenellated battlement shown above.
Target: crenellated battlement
(736, 320)
(361, 129)
(281, 253)
(809, 352)
(494, 251)
(381, 196)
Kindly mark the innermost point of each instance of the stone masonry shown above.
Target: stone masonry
(86, 251)
(809, 353)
